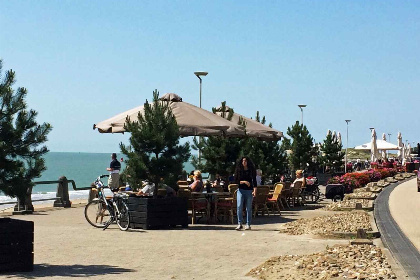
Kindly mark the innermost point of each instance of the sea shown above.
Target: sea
(83, 168)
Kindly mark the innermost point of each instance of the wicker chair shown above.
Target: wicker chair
(232, 188)
(225, 207)
(260, 200)
(275, 199)
(197, 203)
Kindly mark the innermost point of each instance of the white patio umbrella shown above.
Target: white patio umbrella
(383, 151)
(380, 145)
(339, 138)
(192, 120)
(334, 136)
(408, 150)
(373, 147)
(400, 145)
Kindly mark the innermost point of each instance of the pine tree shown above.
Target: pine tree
(154, 152)
(20, 142)
(332, 155)
(219, 153)
(269, 156)
(302, 146)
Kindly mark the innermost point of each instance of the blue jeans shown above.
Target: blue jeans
(244, 196)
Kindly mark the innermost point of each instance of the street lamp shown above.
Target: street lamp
(345, 164)
(198, 74)
(302, 106)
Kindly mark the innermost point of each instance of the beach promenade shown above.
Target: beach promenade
(66, 246)
(396, 214)
(404, 205)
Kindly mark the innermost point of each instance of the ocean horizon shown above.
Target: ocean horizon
(82, 167)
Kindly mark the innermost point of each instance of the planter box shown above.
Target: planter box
(16, 245)
(148, 213)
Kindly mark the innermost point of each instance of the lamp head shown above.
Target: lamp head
(347, 121)
(200, 73)
(301, 106)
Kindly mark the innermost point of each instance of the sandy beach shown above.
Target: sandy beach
(66, 246)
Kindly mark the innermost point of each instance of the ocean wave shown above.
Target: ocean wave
(73, 195)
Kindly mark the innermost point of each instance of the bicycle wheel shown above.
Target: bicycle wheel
(315, 195)
(123, 219)
(97, 214)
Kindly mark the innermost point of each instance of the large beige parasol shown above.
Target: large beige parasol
(253, 128)
(192, 120)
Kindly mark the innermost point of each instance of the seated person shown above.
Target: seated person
(299, 177)
(217, 180)
(147, 190)
(197, 185)
(258, 177)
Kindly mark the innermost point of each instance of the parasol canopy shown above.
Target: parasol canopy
(192, 120)
(253, 128)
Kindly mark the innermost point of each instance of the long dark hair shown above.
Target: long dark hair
(240, 167)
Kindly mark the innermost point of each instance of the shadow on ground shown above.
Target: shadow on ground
(77, 270)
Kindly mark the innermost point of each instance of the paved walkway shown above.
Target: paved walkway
(397, 214)
(66, 246)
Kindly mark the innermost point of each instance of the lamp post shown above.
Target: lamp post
(199, 74)
(347, 146)
(301, 106)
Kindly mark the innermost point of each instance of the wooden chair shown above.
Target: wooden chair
(225, 207)
(197, 203)
(275, 199)
(260, 200)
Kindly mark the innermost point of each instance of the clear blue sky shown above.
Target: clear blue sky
(85, 61)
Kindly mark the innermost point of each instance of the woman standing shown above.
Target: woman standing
(245, 177)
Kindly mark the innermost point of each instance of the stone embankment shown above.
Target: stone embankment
(327, 225)
(337, 262)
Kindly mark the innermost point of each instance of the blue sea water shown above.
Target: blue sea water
(83, 168)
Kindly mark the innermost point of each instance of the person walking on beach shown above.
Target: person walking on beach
(114, 176)
(245, 177)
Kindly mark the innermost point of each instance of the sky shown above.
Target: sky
(85, 61)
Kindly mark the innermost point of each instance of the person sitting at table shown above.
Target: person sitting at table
(299, 177)
(147, 190)
(217, 180)
(197, 185)
(258, 177)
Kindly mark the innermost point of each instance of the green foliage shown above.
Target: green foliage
(332, 156)
(302, 146)
(219, 154)
(268, 156)
(154, 152)
(21, 138)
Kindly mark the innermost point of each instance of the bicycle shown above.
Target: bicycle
(101, 212)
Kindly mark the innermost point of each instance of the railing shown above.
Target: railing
(61, 198)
